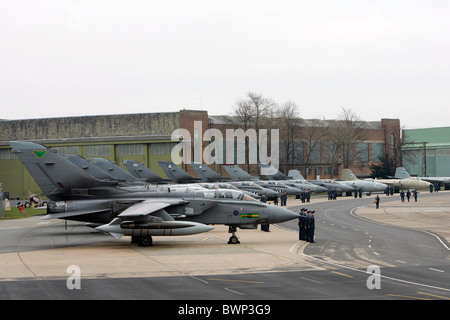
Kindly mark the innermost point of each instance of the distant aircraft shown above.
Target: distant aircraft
(116, 171)
(135, 210)
(177, 174)
(367, 186)
(236, 173)
(326, 183)
(401, 173)
(407, 182)
(300, 184)
(138, 170)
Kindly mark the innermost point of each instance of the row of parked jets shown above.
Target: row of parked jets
(141, 204)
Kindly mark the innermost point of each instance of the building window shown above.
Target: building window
(162, 148)
(98, 151)
(318, 171)
(443, 152)
(362, 152)
(130, 149)
(6, 154)
(377, 151)
(70, 150)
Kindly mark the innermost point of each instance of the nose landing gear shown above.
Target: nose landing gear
(233, 239)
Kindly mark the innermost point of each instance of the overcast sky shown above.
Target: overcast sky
(383, 59)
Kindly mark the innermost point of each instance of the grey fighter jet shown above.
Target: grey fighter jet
(325, 183)
(236, 173)
(367, 186)
(289, 181)
(139, 211)
(402, 173)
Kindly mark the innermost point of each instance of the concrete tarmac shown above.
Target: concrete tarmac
(34, 249)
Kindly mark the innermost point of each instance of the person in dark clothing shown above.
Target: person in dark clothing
(377, 201)
(311, 227)
(301, 224)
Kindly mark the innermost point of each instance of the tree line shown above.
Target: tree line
(306, 142)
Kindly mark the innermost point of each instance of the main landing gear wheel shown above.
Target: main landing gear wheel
(233, 239)
(145, 241)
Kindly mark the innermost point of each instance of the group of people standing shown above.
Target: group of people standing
(408, 195)
(306, 225)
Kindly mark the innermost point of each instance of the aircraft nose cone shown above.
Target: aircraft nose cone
(283, 214)
(320, 189)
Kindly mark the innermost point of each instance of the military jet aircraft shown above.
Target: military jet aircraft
(136, 210)
(367, 186)
(407, 182)
(239, 174)
(291, 182)
(401, 173)
(325, 183)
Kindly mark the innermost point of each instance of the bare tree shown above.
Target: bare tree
(254, 112)
(348, 131)
(288, 123)
(313, 134)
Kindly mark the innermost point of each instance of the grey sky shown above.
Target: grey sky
(383, 59)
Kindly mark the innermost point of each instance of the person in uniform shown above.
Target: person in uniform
(301, 224)
(377, 201)
(311, 225)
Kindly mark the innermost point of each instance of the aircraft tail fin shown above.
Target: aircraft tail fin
(206, 173)
(401, 173)
(236, 173)
(177, 174)
(348, 175)
(138, 170)
(272, 173)
(295, 174)
(58, 178)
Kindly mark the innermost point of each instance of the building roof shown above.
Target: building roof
(434, 137)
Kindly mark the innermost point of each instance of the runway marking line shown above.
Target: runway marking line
(229, 280)
(409, 297)
(284, 258)
(433, 295)
(342, 274)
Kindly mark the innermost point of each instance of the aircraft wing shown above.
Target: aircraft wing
(150, 207)
(71, 214)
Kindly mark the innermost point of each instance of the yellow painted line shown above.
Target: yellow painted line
(409, 297)
(228, 280)
(342, 274)
(433, 295)
(248, 247)
(204, 239)
(284, 258)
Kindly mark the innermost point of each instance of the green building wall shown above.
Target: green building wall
(427, 152)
